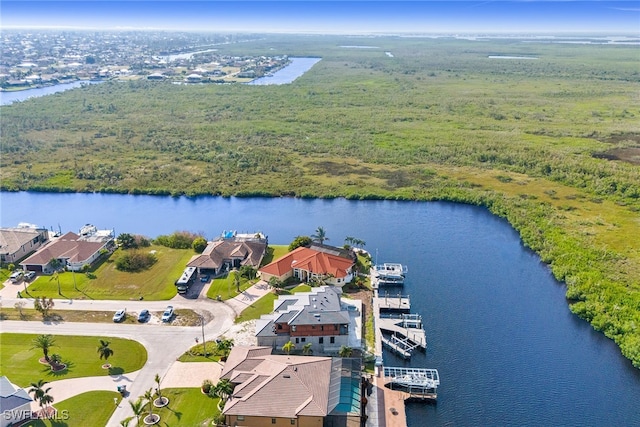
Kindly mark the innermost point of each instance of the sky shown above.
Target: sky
(331, 17)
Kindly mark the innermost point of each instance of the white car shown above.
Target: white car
(168, 314)
(119, 315)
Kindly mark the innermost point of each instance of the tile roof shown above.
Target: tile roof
(279, 386)
(12, 239)
(312, 260)
(216, 252)
(68, 246)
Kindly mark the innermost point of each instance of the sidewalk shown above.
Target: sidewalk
(248, 297)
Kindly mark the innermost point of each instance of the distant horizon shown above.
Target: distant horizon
(525, 17)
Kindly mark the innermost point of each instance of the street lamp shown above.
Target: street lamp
(204, 343)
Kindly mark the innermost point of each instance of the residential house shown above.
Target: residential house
(318, 318)
(15, 403)
(231, 250)
(281, 390)
(73, 250)
(17, 243)
(332, 265)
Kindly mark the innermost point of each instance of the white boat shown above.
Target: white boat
(389, 273)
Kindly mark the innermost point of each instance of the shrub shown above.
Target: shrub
(135, 261)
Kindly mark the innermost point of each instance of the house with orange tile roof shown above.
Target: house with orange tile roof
(284, 390)
(332, 265)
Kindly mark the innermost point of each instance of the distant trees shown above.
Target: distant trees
(177, 240)
(132, 241)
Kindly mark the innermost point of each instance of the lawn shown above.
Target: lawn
(156, 283)
(265, 304)
(93, 408)
(19, 360)
(225, 287)
(187, 407)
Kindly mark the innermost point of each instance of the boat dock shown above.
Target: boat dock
(418, 383)
(391, 315)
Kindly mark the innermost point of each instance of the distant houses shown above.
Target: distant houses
(74, 251)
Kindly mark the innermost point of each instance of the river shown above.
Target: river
(7, 98)
(499, 331)
(296, 68)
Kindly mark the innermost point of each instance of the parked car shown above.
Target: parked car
(120, 315)
(144, 315)
(168, 314)
(204, 279)
(29, 275)
(16, 276)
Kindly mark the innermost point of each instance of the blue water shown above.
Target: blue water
(296, 68)
(7, 98)
(499, 331)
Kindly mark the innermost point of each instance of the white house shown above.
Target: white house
(15, 403)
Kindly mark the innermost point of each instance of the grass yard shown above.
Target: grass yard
(187, 407)
(224, 286)
(265, 304)
(19, 360)
(93, 408)
(156, 283)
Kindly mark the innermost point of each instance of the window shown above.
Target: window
(273, 420)
(293, 421)
(240, 418)
(279, 326)
(297, 340)
(332, 340)
(322, 327)
(335, 327)
(293, 328)
(303, 339)
(321, 340)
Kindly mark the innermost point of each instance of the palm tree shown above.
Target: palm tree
(345, 351)
(224, 347)
(163, 400)
(306, 349)
(320, 236)
(149, 396)
(41, 394)
(138, 408)
(44, 342)
(223, 389)
(288, 346)
(236, 279)
(126, 422)
(104, 350)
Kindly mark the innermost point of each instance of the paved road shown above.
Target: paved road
(164, 343)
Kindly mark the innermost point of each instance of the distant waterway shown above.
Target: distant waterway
(499, 331)
(511, 57)
(295, 68)
(7, 98)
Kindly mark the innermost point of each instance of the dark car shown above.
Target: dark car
(144, 315)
